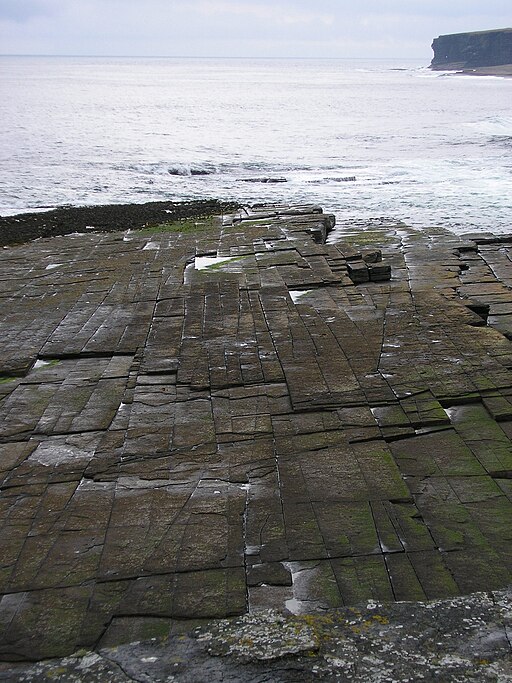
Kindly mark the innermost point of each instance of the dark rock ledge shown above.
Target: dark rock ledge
(104, 218)
(303, 448)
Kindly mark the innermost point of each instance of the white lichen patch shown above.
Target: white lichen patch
(88, 661)
(261, 636)
(50, 454)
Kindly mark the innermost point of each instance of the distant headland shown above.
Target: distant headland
(480, 52)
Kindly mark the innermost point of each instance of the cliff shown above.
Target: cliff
(473, 50)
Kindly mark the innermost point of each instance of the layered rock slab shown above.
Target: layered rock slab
(197, 425)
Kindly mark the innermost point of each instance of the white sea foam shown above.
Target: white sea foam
(493, 126)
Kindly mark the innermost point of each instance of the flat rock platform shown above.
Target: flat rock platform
(233, 415)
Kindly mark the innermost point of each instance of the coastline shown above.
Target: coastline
(505, 71)
(502, 70)
(65, 220)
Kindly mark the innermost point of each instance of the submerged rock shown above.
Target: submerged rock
(190, 170)
(263, 180)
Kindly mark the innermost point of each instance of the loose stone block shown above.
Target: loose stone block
(358, 271)
(372, 256)
(379, 272)
(273, 574)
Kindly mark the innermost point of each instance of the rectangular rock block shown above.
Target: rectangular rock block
(379, 272)
(404, 580)
(358, 271)
(362, 578)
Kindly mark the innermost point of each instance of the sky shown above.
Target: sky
(241, 28)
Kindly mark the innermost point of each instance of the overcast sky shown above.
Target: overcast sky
(241, 28)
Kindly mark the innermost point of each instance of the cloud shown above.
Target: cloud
(21, 11)
(283, 13)
(240, 28)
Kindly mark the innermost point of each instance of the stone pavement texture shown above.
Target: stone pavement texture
(197, 424)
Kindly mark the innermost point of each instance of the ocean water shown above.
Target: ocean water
(362, 138)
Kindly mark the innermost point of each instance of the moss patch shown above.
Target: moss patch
(227, 262)
(184, 226)
(47, 364)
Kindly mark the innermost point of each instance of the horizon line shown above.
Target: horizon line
(125, 56)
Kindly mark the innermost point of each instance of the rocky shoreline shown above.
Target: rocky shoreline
(504, 71)
(66, 220)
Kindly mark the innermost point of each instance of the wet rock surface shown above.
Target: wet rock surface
(185, 440)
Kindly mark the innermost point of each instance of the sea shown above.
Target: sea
(364, 139)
